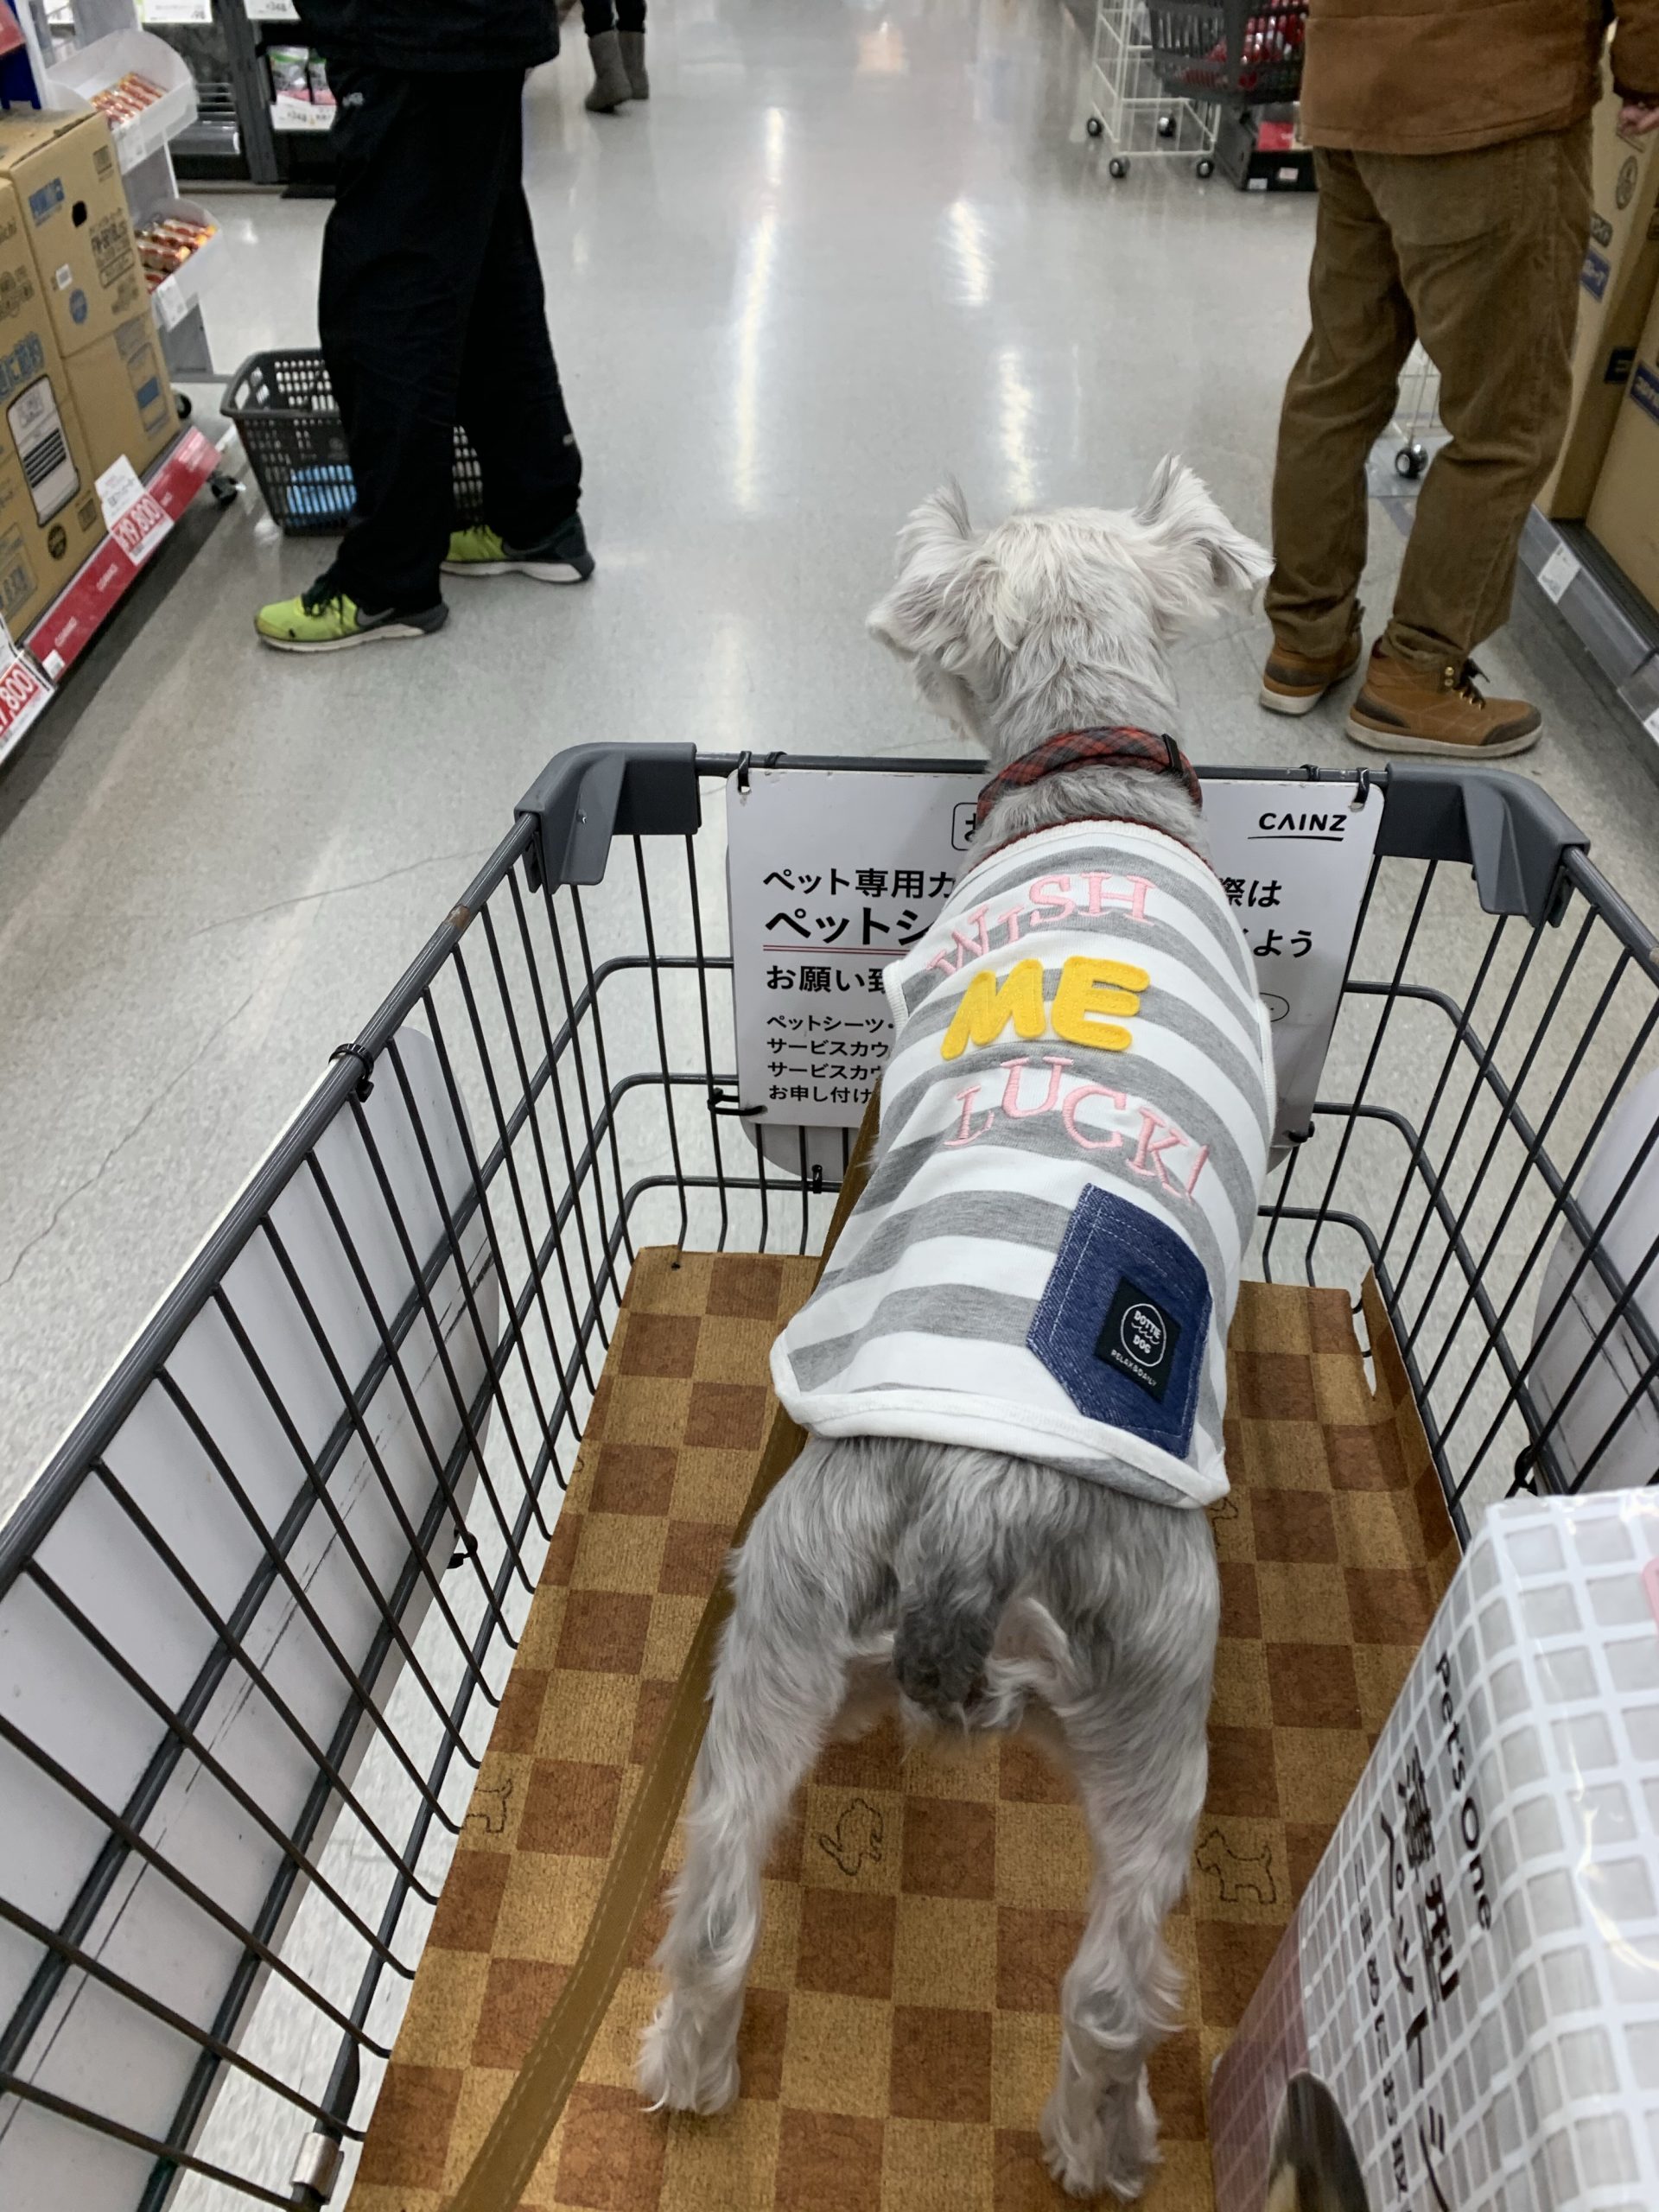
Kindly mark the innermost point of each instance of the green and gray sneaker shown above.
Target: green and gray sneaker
(563, 558)
(325, 621)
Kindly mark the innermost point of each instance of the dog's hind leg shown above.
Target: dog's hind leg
(1138, 1750)
(778, 1684)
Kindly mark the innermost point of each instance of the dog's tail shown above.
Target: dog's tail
(972, 1646)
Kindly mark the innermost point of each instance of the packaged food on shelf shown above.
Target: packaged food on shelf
(289, 79)
(167, 242)
(131, 96)
(138, 83)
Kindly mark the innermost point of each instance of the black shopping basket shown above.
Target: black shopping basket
(1247, 52)
(286, 415)
(257, 1614)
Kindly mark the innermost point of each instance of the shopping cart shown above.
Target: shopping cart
(1416, 422)
(1243, 51)
(256, 1617)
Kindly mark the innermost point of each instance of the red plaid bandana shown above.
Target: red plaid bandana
(1074, 748)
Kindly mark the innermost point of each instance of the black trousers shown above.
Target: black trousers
(431, 313)
(599, 16)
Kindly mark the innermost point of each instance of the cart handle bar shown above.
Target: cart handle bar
(1511, 833)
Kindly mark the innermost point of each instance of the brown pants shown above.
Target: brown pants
(1478, 254)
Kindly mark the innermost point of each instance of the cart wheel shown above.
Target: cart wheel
(1095, 126)
(1409, 461)
(1204, 166)
(224, 488)
(1165, 126)
(1117, 166)
(186, 405)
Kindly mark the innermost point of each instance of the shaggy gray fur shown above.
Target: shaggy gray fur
(974, 1591)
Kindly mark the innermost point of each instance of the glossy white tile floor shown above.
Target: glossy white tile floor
(844, 251)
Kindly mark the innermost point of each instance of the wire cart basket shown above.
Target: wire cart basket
(1129, 107)
(1416, 422)
(258, 1614)
(285, 413)
(1245, 52)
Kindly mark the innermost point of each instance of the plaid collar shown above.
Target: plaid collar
(1076, 748)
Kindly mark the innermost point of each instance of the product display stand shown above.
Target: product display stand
(97, 56)
(77, 52)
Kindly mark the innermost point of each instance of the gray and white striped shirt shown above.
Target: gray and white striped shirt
(1074, 1133)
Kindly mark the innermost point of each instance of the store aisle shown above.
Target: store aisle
(843, 252)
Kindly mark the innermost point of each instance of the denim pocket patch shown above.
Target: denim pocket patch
(1124, 1321)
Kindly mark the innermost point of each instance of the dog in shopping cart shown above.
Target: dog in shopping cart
(1012, 1370)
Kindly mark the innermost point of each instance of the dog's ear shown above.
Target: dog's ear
(934, 545)
(1206, 554)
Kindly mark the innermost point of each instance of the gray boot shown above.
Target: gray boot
(633, 61)
(611, 83)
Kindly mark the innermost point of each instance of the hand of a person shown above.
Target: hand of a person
(1640, 115)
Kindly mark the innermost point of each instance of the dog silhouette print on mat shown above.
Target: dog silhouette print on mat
(856, 1838)
(492, 1819)
(1238, 1873)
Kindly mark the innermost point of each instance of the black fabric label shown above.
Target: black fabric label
(1139, 1339)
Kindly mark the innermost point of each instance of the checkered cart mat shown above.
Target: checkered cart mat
(902, 2023)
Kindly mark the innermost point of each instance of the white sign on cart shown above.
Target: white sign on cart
(834, 873)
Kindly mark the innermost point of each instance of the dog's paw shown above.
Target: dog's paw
(683, 2066)
(1111, 2150)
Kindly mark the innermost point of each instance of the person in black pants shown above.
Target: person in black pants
(616, 42)
(432, 313)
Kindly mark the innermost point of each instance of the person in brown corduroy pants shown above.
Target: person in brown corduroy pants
(1452, 145)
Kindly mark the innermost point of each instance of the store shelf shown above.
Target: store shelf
(94, 68)
(175, 296)
(1604, 612)
(301, 116)
(75, 617)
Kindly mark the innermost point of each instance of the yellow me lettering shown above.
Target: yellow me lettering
(1090, 993)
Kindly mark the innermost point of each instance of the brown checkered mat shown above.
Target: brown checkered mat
(901, 2027)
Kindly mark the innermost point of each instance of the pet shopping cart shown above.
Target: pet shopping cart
(257, 1614)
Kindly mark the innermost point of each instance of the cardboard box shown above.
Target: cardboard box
(1615, 287)
(1623, 516)
(1468, 1991)
(50, 518)
(67, 187)
(122, 397)
(62, 166)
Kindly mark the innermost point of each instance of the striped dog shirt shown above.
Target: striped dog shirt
(1074, 1131)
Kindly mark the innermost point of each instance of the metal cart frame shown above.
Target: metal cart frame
(257, 1614)
(1128, 105)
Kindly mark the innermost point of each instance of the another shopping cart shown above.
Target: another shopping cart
(257, 1614)
(1159, 70)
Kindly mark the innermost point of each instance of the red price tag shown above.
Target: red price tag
(23, 692)
(140, 529)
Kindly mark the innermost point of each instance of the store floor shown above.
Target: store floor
(843, 252)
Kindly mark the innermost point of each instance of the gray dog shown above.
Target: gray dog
(1013, 1372)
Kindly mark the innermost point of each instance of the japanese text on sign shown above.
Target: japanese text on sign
(833, 875)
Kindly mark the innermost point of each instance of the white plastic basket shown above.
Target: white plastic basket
(92, 69)
(175, 296)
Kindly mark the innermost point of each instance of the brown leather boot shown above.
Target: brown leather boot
(1402, 708)
(1295, 683)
